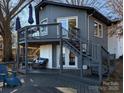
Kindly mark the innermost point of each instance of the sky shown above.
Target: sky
(104, 10)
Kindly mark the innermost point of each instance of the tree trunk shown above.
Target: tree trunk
(7, 42)
(7, 49)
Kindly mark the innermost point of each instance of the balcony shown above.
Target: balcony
(45, 33)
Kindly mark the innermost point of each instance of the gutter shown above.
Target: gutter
(88, 23)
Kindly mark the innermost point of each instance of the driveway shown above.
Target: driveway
(48, 83)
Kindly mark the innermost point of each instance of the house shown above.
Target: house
(115, 42)
(80, 41)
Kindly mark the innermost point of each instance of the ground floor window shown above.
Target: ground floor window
(63, 59)
(63, 56)
(71, 58)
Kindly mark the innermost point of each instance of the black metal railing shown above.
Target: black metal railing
(89, 49)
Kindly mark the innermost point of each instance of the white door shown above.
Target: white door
(68, 61)
(64, 22)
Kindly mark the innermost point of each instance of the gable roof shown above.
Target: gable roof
(90, 10)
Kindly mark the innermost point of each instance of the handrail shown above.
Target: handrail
(82, 53)
(86, 41)
(105, 50)
(30, 26)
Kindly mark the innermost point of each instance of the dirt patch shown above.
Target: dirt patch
(114, 84)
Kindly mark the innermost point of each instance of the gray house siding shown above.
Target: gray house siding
(45, 13)
(54, 56)
(102, 41)
(53, 12)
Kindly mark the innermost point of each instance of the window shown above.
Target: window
(63, 59)
(72, 23)
(69, 24)
(63, 56)
(44, 30)
(72, 58)
(84, 46)
(98, 29)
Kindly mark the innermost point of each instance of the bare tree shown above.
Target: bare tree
(114, 11)
(8, 10)
(117, 6)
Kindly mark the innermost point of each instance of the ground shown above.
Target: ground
(115, 80)
(48, 83)
(58, 83)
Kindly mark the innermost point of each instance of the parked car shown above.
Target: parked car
(40, 63)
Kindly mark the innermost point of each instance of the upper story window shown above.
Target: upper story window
(98, 31)
(69, 23)
(44, 30)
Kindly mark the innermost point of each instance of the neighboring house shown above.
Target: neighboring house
(115, 45)
(115, 41)
(84, 34)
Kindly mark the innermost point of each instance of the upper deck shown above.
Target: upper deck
(43, 34)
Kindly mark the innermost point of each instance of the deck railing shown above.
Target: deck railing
(44, 31)
(55, 31)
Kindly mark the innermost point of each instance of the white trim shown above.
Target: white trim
(67, 51)
(98, 29)
(45, 19)
(69, 17)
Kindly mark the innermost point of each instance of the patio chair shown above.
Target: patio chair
(8, 77)
(40, 63)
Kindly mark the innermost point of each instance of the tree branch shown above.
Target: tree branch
(19, 10)
(16, 7)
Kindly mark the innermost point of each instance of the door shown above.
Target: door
(64, 22)
(68, 25)
(72, 24)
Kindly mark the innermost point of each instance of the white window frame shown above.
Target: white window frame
(46, 32)
(98, 30)
(68, 17)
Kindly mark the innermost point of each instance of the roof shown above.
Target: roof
(90, 10)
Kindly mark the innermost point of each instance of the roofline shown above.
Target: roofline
(90, 10)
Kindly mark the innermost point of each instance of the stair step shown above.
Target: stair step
(75, 47)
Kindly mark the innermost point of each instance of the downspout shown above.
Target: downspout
(88, 23)
(88, 41)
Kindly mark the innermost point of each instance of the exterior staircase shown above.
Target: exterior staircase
(90, 51)
(79, 47)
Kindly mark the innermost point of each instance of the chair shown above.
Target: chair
(40, 63)
(8, 77)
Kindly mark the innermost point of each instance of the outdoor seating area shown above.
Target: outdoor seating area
(40, 63)
(8, 76)
(61, 46)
